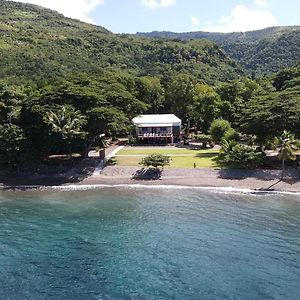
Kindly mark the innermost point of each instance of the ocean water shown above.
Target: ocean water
(149, 243)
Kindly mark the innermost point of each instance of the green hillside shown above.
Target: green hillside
(64, 82)
(260, 51)
(37, 44)
(219, 37)
(267, 55)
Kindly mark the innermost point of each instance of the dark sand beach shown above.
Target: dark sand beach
(250, 179)
(114, 175)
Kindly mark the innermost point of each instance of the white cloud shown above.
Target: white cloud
(77, 9)
(167, 3)
(243, 19)
(262, 3)
(154, 4)
(195, 21)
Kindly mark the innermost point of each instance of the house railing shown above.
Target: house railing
(154, 135)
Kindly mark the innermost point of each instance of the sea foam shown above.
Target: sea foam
(223, 190)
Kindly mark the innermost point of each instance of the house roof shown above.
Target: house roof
(157, 120)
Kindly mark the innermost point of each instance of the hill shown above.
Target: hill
(260, 51)
(38, 44)
(219, 37)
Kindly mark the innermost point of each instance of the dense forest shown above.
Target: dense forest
(38, 44)
(259, 52)
(63, 82)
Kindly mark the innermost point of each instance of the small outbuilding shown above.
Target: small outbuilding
(159, 128)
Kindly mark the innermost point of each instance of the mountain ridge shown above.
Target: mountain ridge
(252, 35)
(260, 51)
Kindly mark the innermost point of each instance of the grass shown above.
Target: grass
(178, 151)
(202, 158)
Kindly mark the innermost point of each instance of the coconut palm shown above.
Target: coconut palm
(66, 122)
(287, 145)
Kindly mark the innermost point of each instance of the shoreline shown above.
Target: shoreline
(254, 180)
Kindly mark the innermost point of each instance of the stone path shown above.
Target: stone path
(110, 152)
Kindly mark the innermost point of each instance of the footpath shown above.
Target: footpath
(109, 153)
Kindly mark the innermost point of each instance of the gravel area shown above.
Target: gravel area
(250, 179)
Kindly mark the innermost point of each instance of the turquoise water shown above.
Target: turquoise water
(144, 243)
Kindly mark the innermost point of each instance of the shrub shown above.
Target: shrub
(204, 139)
(238, 155)
(155, 160)
(231, 135)
(218, 129)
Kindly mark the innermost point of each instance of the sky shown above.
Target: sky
(131, 16)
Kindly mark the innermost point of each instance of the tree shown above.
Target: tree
(284, 77)
(117, 96)
(179, 96)
(67, 122)
(10, 101)
(234, 96)
(287, 145)
(206, 103)
(151, 92)
(12, 145)
(218, 129)
(108, 120)
(155, 160)
(268, 116)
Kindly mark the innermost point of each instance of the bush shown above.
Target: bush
(204, 139)
(238, 155)
(155, 160)
(231, 135)
(218, 129)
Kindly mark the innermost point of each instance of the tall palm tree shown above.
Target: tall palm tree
(287, 146)
(66, 122)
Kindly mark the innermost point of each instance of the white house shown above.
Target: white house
(160, 128)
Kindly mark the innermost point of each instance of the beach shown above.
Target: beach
(199, 177)
(245, 179)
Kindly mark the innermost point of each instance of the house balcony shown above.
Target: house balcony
(155, 135)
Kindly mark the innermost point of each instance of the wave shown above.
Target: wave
(227, 190)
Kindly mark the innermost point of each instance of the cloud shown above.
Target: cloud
(77, 9)
(195, 23)
(243, 19)
(154, 4)
(262, 3)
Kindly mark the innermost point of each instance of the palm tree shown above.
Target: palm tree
(66, 122)
(287, 146)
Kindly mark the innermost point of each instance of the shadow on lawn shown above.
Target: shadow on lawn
(207, 155)
(147, 174)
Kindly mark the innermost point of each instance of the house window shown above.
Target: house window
(144, 129)
(163, 128)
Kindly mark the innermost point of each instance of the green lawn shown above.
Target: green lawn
(146, 151)
(202, 158)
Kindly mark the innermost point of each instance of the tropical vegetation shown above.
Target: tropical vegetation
(63, 83)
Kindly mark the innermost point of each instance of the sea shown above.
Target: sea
(149, 242)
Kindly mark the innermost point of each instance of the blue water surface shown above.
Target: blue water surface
(148, 243)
